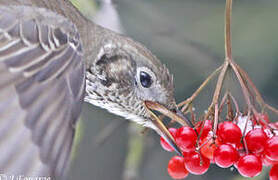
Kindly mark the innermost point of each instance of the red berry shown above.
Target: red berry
(196, 163)
(273, 174)
(267, 161)
(164, 143)
(256, 140)
(229, 132)
(186, 138)
(208, 149)
(271, 148)
(205, 127)
(241, 152)
(225, 155)
(249, 165)
(176, 168)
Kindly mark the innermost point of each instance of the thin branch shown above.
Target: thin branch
(220, 83)
(242, 84)
(246, 77)
(271, 108)
(228, 44)
(223, 102)
(218, 88)
(256, 91)
(204, 143)
(197, 92)
(235, 104)
(230, 108)
(215, 124)
(244, 131)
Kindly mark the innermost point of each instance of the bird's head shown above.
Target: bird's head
(123, 76)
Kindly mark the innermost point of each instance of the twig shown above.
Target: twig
(215, 124)
(199, 147)
(218, 88)
(256, 91)
(197, 92)
(223, 102)
(228, 58)
(202, 124)
(236, 105)
(244, 131)
(229, 108)
(242, 84)
(192, 115)
(228, 44)
(246, 77)
(271, 108)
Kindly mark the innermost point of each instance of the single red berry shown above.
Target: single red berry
(229, 132)
(205, 127)
(176, 168)
(164, 143)
(249, 165)
(225, 155)
(267, 161)
(273, 174)
(186, 138)
(196, 163)
(209, 147)
(256, 140)
(271, 148)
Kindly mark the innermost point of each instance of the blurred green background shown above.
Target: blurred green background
(187, 35)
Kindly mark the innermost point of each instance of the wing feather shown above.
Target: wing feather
(41, 91)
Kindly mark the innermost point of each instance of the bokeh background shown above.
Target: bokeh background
(187, 35)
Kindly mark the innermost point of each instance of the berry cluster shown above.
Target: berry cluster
(248, 146)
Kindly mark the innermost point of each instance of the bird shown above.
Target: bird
(52, 59)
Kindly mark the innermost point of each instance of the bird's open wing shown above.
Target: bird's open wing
(41, 91)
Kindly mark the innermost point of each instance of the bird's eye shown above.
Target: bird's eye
(145, 79)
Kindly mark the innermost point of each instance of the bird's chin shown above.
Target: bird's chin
(144, 117)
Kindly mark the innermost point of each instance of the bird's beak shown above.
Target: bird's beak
(166, 135)
(161, 128)
(181, 115)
